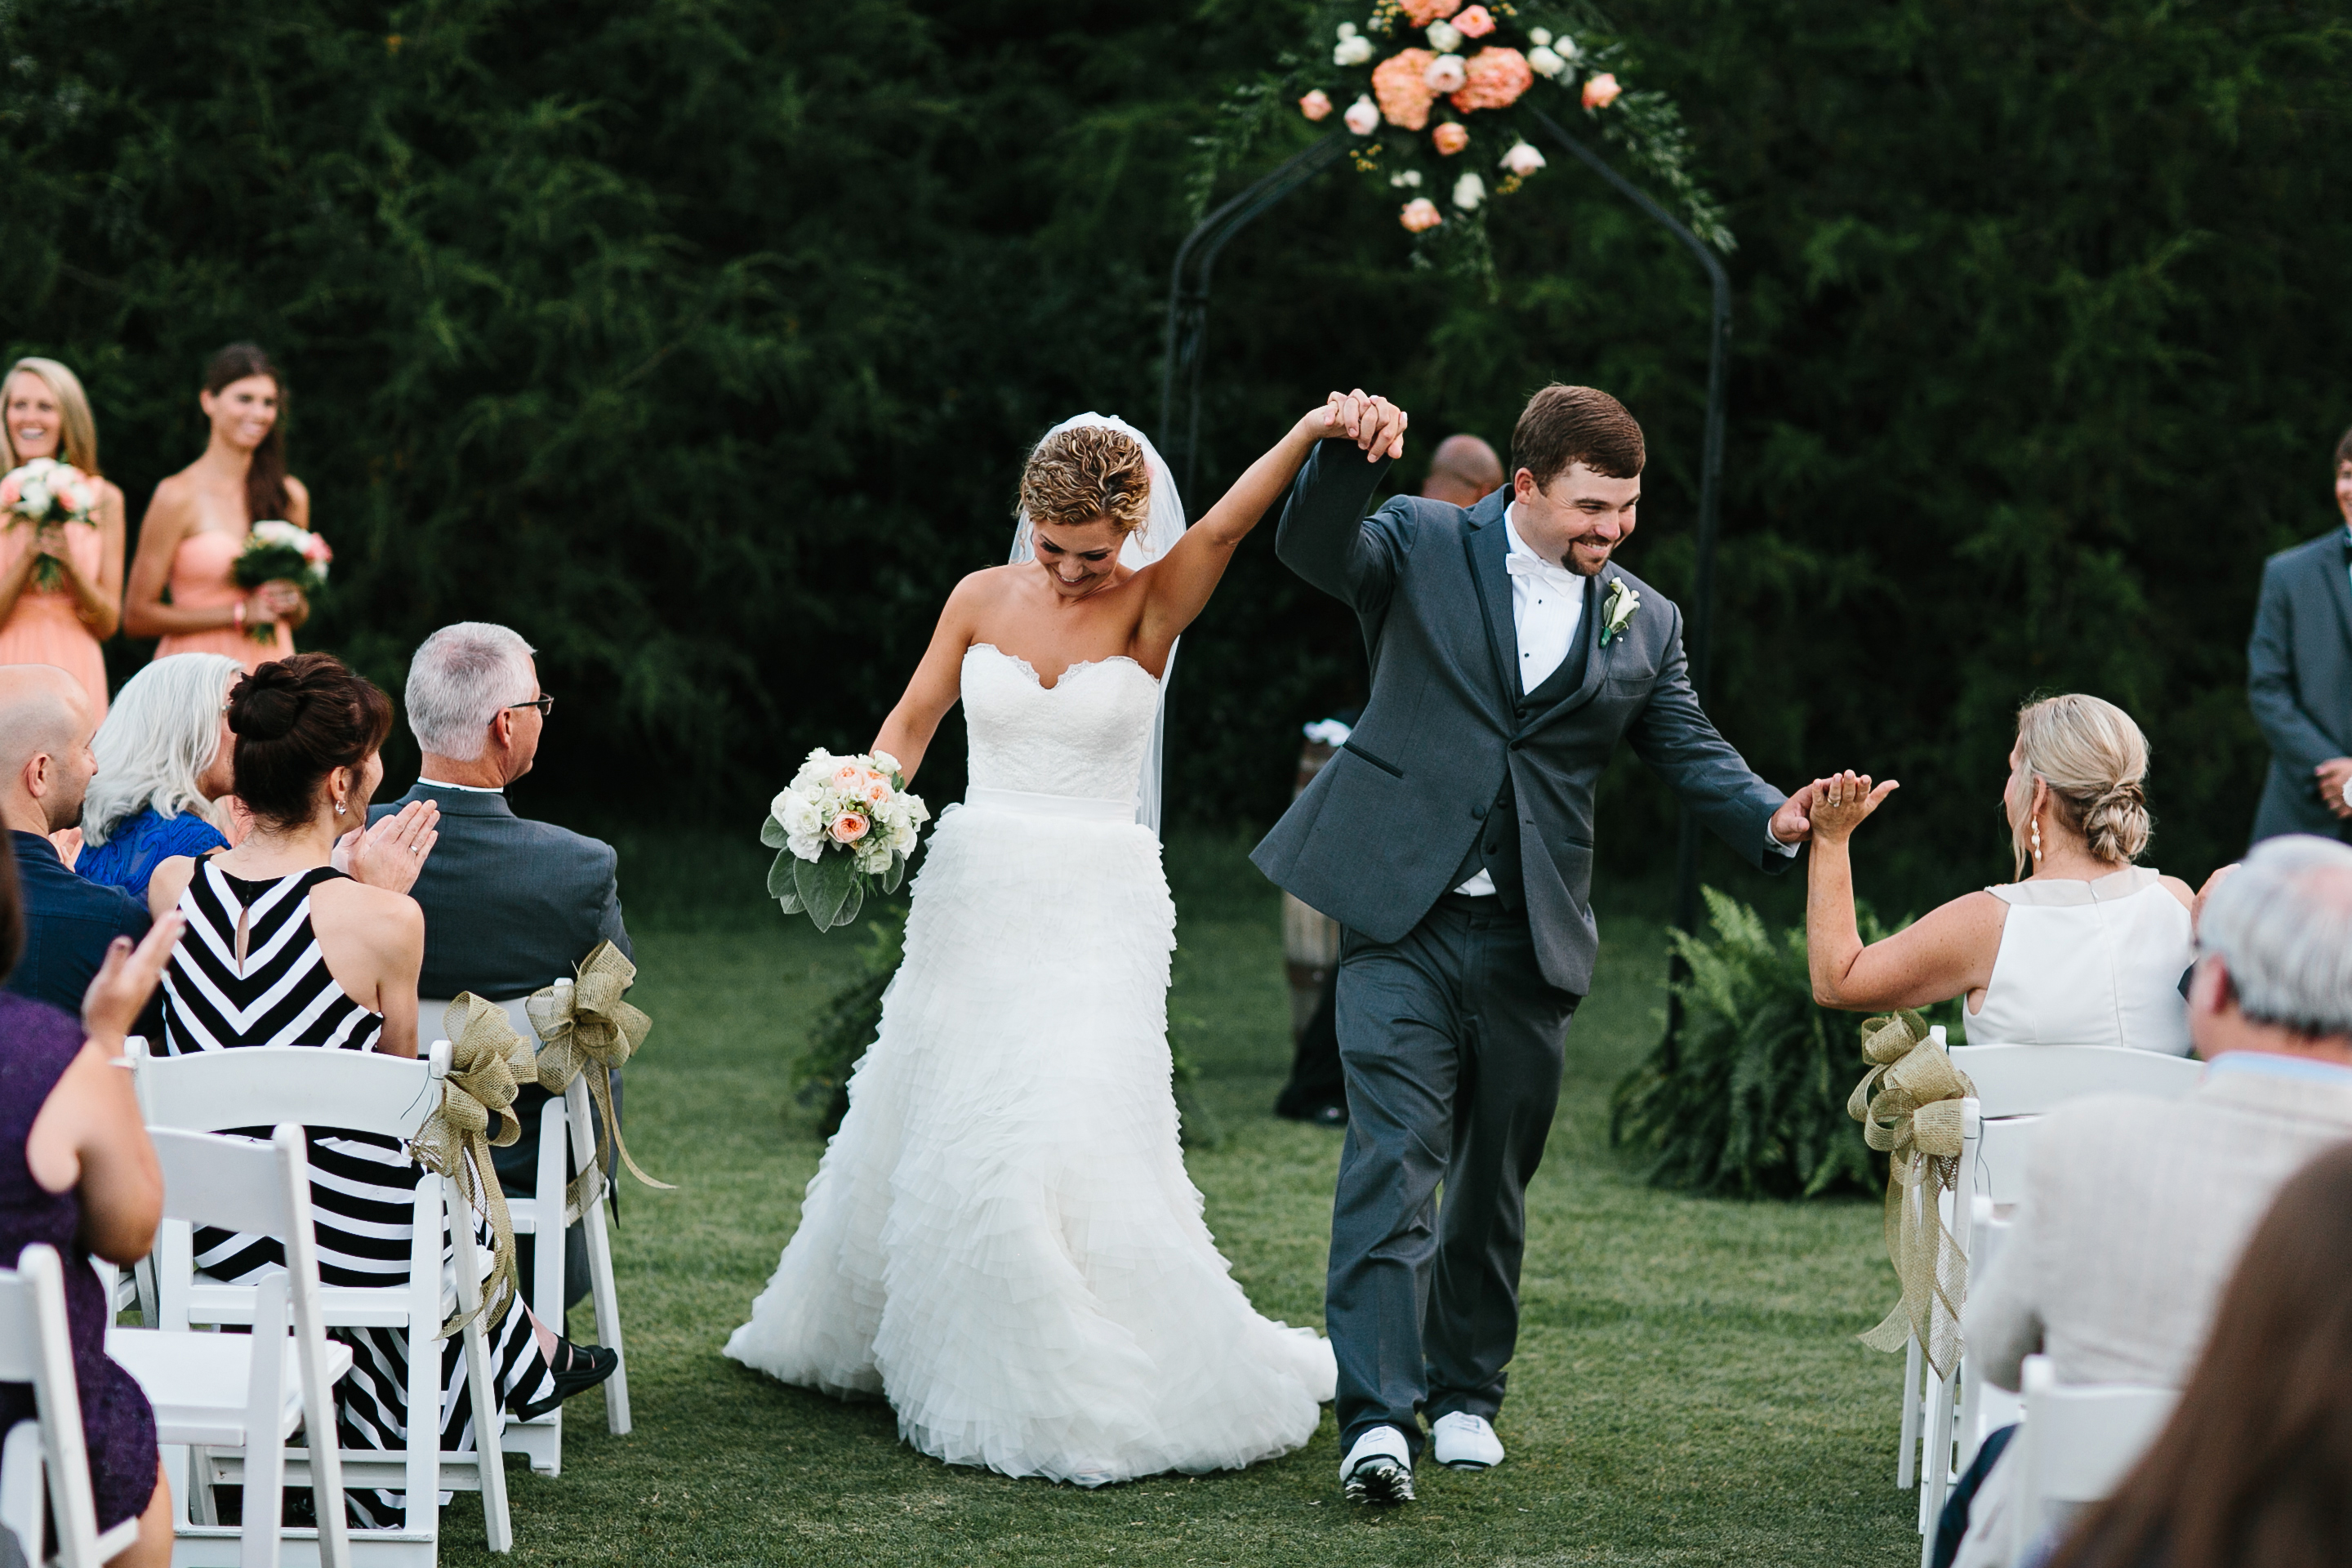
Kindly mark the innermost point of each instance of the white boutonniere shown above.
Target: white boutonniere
(1617, 610)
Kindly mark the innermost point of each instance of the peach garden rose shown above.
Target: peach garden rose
(1421, 213)
(1421, 12)
(1450, 138)
(1316, 105)
(1600, 91)
(1401, 83)
(1496, 78)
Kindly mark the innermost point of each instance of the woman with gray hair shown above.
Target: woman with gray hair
(2085, 949)
(163, 763)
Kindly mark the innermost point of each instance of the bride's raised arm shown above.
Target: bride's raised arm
(938, 681)
(1179, 584)
(1946, 954)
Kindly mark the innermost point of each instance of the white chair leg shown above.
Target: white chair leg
(602, 1293)
(265, 1450)
(1906, 1456)
(481, 1386)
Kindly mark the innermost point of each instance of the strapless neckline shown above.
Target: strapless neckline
(1025, 667)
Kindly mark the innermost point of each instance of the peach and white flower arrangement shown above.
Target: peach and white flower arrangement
(1429, 81)
(44, 496)
(277, 552)
(844, 823)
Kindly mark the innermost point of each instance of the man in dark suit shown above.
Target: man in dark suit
(45, 725)
(509, 904)
(2299, 677)
(1509, 654)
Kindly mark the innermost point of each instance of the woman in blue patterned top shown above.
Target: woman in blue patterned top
(164, 761)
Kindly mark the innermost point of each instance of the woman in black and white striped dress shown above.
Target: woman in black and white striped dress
(282, 949)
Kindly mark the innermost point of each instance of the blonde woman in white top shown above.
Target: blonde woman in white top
(2085, 949)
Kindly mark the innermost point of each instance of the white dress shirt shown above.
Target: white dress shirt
(469, 789)
(1547, 613)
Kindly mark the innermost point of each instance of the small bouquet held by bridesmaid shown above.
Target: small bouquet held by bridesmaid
(842, 823)
(280, 552)
(45, 495)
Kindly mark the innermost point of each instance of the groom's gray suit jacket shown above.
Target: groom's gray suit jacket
(1394, 822)
(2299, 680)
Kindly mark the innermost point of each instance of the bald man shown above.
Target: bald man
(1463, 471)
(44, 769)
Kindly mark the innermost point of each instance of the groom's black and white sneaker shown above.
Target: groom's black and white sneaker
(1378, 1469)
(1462, 1441)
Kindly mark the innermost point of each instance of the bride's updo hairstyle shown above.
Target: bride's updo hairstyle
(1087, 473)
(2094, 760)
(296, 721)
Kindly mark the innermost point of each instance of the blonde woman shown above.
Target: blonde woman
(2086, 948)
(47, 415)
(165, 770)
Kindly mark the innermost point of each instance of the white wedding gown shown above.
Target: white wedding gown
(1002, 1239)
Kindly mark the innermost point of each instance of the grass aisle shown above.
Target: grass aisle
(1688, 1389)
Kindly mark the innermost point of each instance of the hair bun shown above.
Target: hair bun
(265, 704)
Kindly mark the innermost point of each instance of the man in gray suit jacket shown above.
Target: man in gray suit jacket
(509, 904)
(2299, 677)
(1452, 838)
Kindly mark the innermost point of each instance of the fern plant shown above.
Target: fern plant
(1752, 1103)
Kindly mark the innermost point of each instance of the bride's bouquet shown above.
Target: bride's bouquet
(45, 495)
(843, 822)
(278, 551)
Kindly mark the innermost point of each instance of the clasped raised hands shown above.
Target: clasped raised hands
(1372, 423)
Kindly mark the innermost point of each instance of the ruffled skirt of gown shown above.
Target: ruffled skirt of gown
(1002, 1239)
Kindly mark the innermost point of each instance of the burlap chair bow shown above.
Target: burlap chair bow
(1914, 1118)
(488, 1060)
(586, 1026)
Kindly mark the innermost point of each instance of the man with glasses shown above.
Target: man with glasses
(509, 904)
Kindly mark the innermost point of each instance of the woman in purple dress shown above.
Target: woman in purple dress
(77, 1172)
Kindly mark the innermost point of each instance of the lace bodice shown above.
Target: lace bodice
(1086, 735)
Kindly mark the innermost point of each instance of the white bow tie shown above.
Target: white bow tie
(1518, 565)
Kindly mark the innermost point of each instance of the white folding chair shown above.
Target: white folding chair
(37, 1347)
(365, 1091)
(564, 1122)
(235, 1392)
(2078, 1444)
(2016, 1085)
(1983, 1408)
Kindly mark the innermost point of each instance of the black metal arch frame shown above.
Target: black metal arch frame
(1188, 323)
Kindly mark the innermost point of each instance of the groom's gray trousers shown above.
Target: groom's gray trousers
(1452, 1041)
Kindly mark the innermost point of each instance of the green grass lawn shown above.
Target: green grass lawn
(1688, 1387)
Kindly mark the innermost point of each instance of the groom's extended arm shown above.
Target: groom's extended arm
(1674, 735)
(1325, 536)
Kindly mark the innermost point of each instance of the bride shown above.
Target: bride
(1002, 1239)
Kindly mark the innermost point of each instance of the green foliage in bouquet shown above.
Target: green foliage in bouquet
(829, 889)
(1754, 1106)
(273, 563)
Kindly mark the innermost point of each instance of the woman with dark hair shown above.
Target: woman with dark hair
(282, 949)
(78, 1173)
(201, 517)
(2255, 1467)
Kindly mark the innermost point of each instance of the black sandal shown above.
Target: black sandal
(576, 1369)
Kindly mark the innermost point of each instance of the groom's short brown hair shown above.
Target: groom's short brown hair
(1563, 426)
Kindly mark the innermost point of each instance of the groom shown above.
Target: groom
(1452, 838)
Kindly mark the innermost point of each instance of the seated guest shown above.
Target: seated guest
(2086, 950)
(282, 949)
(78, 1173)
(163, 772)
(45, 770)
(509, 904)
(2136, 1209)
(2256, 1463)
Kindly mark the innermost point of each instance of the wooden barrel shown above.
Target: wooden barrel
(1310, 940)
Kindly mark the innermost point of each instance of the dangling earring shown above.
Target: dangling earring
(2037, 837)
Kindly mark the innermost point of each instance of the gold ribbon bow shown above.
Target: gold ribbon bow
(1915, 1119)
(488, 1061)
(583, 1025)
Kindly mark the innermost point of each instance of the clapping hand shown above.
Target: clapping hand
(390, 854)
(1841, 802)
(117, 994)
(1373, 422)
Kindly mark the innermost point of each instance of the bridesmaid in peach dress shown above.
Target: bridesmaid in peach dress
(197, 525)
(47, 415)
